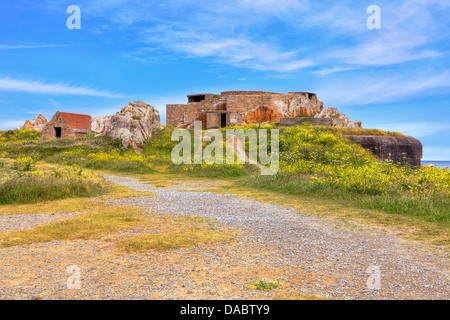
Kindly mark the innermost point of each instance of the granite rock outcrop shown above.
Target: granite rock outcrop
(134, 124)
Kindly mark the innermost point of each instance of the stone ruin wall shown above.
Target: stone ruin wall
(244, 107)
(58, 121)
(213, 120)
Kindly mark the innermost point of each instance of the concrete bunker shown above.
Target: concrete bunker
(200, 97)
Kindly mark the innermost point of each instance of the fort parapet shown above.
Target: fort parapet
(232, 108)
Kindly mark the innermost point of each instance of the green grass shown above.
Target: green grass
(265, 285)
(435, 208)
(19, 135)
(185, 235)
(45, 149)
(361, 131)
(24, 181)
(317, 163)
(90, 226)
(30, 189)
(158, 232)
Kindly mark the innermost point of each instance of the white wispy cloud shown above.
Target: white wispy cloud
(206, 29)
(408, 29)
(246, 53)
(242, 33)
(328, 71)
(362, 90)
(40, 46)
(39, 87)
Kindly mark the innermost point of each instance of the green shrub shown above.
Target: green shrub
(19, 135)
(31, 188)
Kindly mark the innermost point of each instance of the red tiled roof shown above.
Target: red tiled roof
(77, 121)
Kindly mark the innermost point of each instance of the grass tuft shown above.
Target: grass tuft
(262, 284)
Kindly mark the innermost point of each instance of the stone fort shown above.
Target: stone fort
(232, 108)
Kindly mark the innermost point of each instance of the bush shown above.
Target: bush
(39, 186)
(19, 135)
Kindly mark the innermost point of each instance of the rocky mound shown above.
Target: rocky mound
(36, 124)
(134, 124)
(339, 119)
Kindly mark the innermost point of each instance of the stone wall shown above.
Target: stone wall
(245, 107)
(284, 105)
(179, 114)
(200, 97)
(239, 93)
(58, 121)
(393, 148)
(174, 113)
(213, 120)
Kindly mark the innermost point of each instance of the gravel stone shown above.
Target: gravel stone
(312, 255)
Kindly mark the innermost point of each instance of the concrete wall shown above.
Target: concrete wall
(392, 148)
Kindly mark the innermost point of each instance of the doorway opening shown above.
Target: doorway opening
(223, 120)
(58, 132)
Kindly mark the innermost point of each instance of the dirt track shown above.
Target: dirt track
(312, 256)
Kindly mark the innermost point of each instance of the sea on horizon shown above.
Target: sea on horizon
(441, 164)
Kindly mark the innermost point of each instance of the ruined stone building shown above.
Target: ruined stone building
(241, 108)
(66, 126)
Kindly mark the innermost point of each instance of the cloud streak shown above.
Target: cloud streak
(251, 33)
(38, 87)
(361, 90)
(14, 47)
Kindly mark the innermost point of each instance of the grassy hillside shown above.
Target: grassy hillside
(315, 162)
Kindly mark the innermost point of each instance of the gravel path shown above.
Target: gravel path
(15, 222)
(339, 257)
(312, 255)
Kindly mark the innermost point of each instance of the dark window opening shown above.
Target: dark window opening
(223, 120)
(197, 98)
(58, 132)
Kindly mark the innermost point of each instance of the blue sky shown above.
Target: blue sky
(396, 78)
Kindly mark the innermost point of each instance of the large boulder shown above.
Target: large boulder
(134, 124)
(36, 124)
(338, 119)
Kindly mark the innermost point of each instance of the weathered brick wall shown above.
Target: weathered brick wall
(205, 96)
(277, 105)
(229, 93)
(58, 121)
(213, 120)
(188, 112)
(174, 113)
(244, 103)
